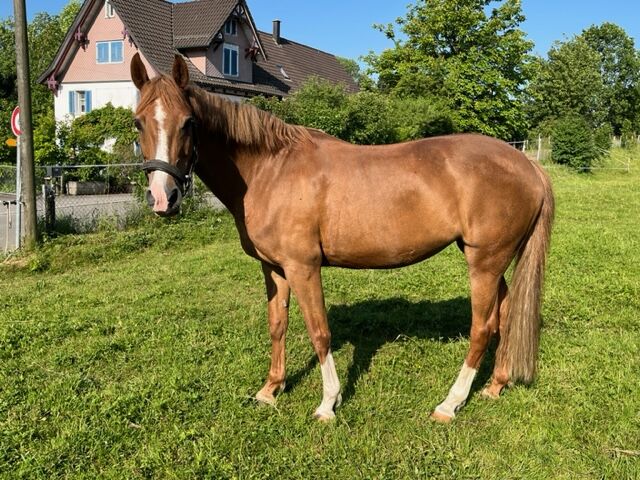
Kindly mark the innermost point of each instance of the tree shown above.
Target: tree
(568, 83)
(573, 143)
(477, 62)
(620, 70)
(352, 67)
(365, 118)
(46, 33)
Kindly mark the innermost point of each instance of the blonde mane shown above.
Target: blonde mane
(244, 124)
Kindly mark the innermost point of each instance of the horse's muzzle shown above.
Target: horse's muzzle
(167, 206)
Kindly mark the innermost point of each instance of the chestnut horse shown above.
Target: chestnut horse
(302, 199)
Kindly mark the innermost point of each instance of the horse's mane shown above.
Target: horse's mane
(242, 123)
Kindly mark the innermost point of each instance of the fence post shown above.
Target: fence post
(539, 147)
(49, 197)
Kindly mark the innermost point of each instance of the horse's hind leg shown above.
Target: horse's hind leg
(485, 286)
(500, 376)
(278, 307)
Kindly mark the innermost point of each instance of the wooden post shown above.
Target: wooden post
(26, 139)
(49, 197)
(539, 147)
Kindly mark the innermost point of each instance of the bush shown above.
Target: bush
(85, 137)
(370, 120)
(46, 150)
(421, 117)
(629, 139)
(364, 118)
(573, 143)
(320, 104)
(602, 138)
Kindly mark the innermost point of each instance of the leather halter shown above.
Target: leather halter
(183, 180)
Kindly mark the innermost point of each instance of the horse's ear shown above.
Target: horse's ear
(180, 72)
(138, 72)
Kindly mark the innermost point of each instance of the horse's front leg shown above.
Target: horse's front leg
(307, 285)
(278, 306)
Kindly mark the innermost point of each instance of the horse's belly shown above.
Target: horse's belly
(388, 243)
(378, 258)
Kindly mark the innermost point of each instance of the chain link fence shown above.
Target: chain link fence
(79, 198)
(8, 177)
(76, 198)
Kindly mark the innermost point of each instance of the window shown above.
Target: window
(231, 27)
(230, 60)
(108, 10)
(79, 102)
(110, 52)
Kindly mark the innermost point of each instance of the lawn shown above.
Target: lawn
(136, 354)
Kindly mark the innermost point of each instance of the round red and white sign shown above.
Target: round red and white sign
(15, 122)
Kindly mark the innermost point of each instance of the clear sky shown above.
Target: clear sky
(344, 27)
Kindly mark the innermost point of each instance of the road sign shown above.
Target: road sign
(15, 122)
(11, 142)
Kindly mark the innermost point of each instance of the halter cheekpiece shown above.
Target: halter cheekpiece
(184, 180)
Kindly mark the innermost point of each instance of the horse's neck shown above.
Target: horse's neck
(226, 172)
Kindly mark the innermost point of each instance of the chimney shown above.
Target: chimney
(276, 31)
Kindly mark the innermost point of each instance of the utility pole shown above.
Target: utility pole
(26, 140)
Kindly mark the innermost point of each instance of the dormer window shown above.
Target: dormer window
(109, 12)
(231, 27)
(230, 60)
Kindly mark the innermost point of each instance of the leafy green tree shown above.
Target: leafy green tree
(620, 70)
(369, 120)
(321, 104)
(46, 149)
(628, 134)
(367, 117)
(477, 62)
(573, 143)
(83, 142)
(352, 67)
(46, 33)
(421, 117)
(568, 83)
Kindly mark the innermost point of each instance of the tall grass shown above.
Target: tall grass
(136, 354)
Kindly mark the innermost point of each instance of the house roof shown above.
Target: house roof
(160, 29)
(196, 23)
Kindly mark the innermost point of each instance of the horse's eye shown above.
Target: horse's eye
(187, 125)
(138, 124)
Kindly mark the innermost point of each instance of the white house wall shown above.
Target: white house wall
(119, 94)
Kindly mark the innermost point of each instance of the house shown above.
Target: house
(225, 53)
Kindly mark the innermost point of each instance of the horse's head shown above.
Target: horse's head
(167, 130)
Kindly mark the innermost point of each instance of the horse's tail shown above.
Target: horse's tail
(525, 297)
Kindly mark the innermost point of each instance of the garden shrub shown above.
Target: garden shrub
(573, 143)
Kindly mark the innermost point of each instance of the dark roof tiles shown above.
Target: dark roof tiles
(160, 28)
(195, 23)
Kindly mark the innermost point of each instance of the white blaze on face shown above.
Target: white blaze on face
(159, 179)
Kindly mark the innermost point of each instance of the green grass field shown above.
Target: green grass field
(136, 354)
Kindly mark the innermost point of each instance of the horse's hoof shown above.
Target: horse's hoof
(266, 398)
(441, 417)
(489, 394)
(324, 417)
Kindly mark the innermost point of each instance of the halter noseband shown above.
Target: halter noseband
(184, 181)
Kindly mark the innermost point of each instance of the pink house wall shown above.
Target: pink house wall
(198, 58)
(85, 68)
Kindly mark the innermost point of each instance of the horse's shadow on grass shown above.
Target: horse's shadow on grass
(371, 324)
